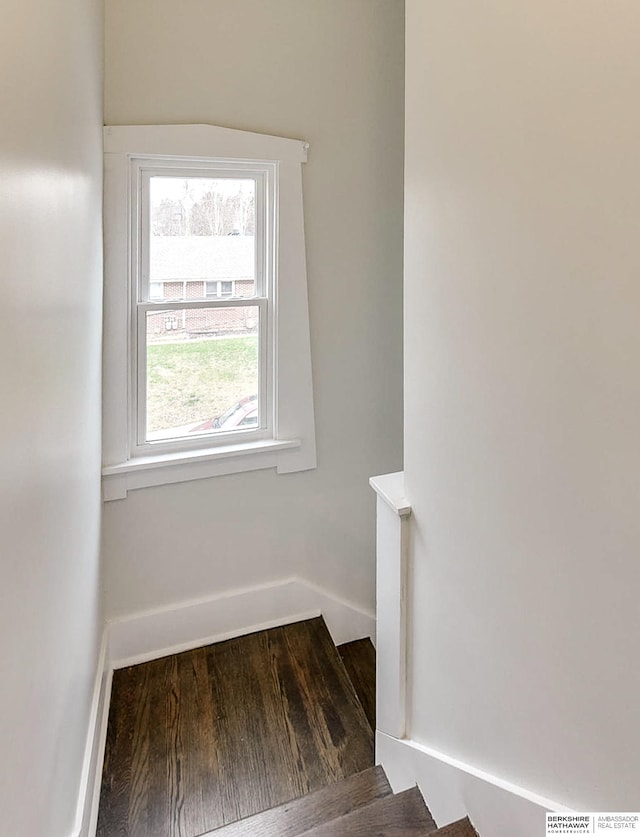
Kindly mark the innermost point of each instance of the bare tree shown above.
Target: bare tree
(167, 218)
(214, 212)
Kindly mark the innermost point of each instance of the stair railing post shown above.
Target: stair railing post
(392, 539)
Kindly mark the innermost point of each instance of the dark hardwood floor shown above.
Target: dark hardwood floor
(359, 658)
(402, 815)
(460, 828)
(204, 738)
(295, 818)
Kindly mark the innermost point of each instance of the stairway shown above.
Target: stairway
(267, 735)
(361, 806)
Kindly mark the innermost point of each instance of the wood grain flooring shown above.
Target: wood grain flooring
(460, 828)
(359, 658)
(204, 738)
(402, 815)
(298, 816)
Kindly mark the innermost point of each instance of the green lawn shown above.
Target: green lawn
(197, 380)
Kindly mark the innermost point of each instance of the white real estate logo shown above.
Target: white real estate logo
(593, 823)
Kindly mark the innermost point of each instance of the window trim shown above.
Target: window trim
(290, 444)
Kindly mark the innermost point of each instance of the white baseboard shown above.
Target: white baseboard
(152, 634)
(94, 745)
(453, 790)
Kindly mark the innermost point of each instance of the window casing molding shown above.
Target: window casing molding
(286, 438)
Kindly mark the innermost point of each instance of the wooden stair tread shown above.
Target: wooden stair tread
(295, 817)
(401, 815)
(201, 739)
(460, 828)
(359, 658)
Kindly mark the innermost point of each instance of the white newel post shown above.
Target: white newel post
(392, 529)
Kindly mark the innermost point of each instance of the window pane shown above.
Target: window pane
(202, 229)
(202, 371)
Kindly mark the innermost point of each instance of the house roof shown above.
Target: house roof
(205, 257)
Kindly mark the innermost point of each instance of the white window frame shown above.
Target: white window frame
(285, 439)
(143, 170)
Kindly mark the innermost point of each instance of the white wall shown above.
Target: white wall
(329, 72)
(523, 390)
(50, 274)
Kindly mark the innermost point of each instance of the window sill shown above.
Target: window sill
(162, 469)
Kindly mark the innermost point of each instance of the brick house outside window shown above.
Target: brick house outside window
(202, 267)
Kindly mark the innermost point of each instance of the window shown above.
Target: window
(206, 364)
(213, 290)
(156, 290)
(199, 354)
